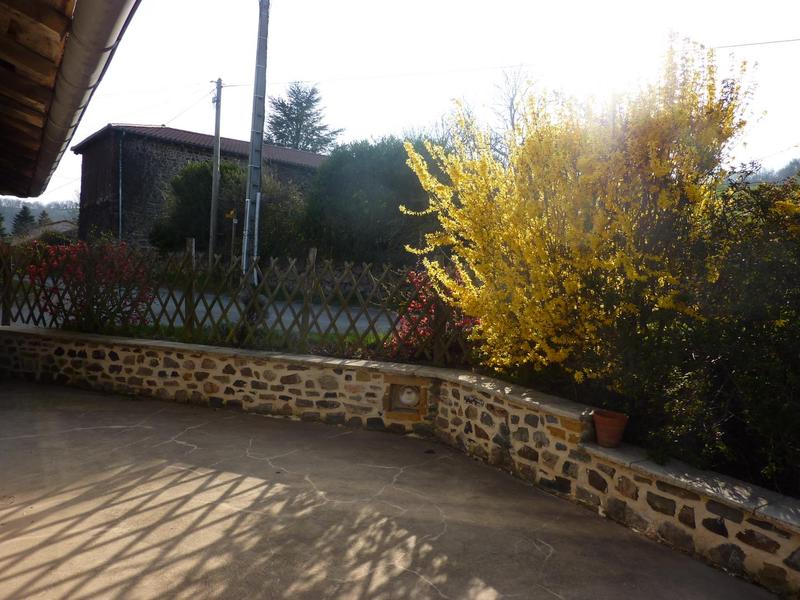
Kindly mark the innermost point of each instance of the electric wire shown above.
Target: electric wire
(188, 108)
(766, 43)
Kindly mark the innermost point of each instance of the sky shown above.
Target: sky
(392, 67)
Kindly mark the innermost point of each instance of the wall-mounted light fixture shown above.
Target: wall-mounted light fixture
(406, 398)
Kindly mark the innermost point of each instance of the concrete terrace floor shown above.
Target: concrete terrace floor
(110, 497)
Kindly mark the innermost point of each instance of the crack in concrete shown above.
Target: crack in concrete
(174, 439)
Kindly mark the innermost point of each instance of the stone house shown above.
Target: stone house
(127, 169)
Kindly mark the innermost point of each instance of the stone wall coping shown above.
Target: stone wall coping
(514, 394)
(771, 506)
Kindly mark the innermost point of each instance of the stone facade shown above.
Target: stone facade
(146, 168)
(542, 439)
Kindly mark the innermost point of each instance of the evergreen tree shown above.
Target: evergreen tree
(354, 204)
(2, 226)
(297, 121)
(44, 219)
(23, 220)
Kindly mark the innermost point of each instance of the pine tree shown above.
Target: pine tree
(23, 220)
(297, 121)
(44, 219)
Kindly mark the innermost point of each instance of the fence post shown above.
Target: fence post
(188, 295)
(7, 284)
(441, 315)
(308, 299)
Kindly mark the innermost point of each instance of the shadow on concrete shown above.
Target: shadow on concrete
(105, 497)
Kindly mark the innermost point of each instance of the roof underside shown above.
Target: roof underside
(53, 54)
(228, 146)
(33, 34)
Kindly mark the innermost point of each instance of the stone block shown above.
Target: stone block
(586, 497)
(558, 484)
(758, 540)
(528, 453)
(723, 510)
(597, 481)
(728, 556)
(549, 459)
(619, 511)
(627, 488)
(521, 435)
(328, 382)
(674, 490)
(676, 536)
(540, 439)
(570, 469)
(610, 471)
(686, 516)
(661, 504)
(580, 455)
(481, 433)
(767, 526)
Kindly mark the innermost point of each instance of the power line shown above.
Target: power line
(778, 152)
(190, 107)
(757, 43)
(63, 185)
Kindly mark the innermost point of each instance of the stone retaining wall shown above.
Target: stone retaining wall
(546, 440)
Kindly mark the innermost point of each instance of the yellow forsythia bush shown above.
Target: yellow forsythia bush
(581, 236)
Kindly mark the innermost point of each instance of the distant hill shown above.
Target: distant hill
(791, 169)
(57, 211)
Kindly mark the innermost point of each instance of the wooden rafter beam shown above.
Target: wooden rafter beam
(23, 134)
(28, 63)
(39, 14)
(17, 162)
(17, 110)
(12, 183)
(21, 127)
(24, 90)
(24, 169)
(11, 148)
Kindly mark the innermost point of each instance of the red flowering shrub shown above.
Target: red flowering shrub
(90, 287)
(428, 325)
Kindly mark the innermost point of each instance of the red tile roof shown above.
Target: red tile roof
(228, 146)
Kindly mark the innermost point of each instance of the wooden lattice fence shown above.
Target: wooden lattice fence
(348, 310)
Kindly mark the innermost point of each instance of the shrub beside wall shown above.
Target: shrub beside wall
(614, 247)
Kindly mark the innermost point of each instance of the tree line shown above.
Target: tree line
(349, 210)
(24, 221)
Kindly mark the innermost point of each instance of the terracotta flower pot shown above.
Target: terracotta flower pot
(609, 426)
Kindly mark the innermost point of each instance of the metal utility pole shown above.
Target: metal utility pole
(212, 230)
(249, 250)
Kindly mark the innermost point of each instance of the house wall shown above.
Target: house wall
(99, 207)
(148, 166)
(543, 439)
